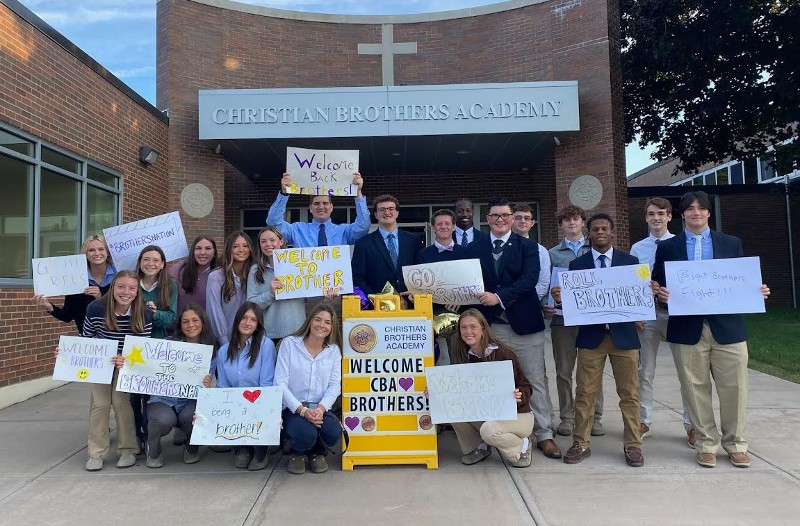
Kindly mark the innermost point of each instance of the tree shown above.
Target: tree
(708, 80)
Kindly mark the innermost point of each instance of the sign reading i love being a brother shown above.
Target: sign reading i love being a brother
(245, 416)
(321, 172)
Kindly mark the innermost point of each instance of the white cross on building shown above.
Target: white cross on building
(387, 49)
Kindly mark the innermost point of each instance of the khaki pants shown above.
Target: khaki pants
(565, 354)
(727, 364)
(104, 397)
(505, 435)
(588, 383)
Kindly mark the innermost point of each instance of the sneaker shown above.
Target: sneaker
(257, 464)
(126, 460)
(191, 454)
(94, 464)
(645, 430)
(475, 456)
(319, 464)
(597, 428)
(243, 458)
(576, 453)
(155, 462)
(525, 458)
(179, 437)
(297, 464)
(691, 437)
(634, 457)
(740, 459)
(565, 428)
(707, 460)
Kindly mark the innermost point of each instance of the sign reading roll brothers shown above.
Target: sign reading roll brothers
(389, 110)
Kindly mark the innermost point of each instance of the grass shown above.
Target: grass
(774, 342)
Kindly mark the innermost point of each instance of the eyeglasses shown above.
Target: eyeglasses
(523, 218)
(495, 217)
(386, 209)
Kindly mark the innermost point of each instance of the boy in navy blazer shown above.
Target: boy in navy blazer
(617, 341)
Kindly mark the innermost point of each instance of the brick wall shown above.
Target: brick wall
(52, 94)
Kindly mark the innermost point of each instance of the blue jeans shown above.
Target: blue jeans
(304, 437)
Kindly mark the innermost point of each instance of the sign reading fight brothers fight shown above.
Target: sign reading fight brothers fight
(383, 379)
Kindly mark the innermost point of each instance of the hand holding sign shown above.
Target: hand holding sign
(238, 416)
(60, 275)
(457, 282)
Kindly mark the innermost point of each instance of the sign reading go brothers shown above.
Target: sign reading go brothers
(321, 172)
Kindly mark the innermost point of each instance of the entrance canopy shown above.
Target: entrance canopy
(468, 128)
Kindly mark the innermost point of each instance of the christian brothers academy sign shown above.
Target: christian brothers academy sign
(389, 110)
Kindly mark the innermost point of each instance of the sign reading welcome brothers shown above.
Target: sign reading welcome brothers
(389, 110)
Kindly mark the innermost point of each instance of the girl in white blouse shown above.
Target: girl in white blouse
(309, 369)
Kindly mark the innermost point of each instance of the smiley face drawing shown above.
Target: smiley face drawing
(83, 374)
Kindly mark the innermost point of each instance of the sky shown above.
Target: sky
(121, 34)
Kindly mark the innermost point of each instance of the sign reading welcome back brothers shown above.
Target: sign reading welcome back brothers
(389, 110)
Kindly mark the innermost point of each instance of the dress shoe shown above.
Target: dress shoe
(740, 459)
(576, 453)
(565, 428)
(597, 428)
(645, 430)
(707, 460)
(549, 448)
(475, 456)
(691, 437)
(634, 457)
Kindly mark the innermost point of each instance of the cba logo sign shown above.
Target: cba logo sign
(362, 338)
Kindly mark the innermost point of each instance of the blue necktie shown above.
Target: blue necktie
(322, 237)
(698, 247)
(602, 259)
(392, 249)
(464, 240)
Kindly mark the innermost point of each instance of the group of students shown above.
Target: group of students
(227, 302)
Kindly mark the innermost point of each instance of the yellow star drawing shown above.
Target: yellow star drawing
(136, 356)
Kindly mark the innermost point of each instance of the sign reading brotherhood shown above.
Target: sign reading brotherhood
(389, 110)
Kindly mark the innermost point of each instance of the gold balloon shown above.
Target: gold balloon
(445, 324)
(388, 288)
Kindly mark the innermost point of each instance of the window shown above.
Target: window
(722, 175)
(737, 174)
(767, 168)
(52, 199)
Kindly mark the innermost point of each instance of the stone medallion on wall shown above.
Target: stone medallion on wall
(197, 200)
(586, 192)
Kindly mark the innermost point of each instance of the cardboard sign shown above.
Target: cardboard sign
(448, 282)
(472, 392)
(312, 272)
(321, 172)
(85, 360)
(163, 367)
(240, 416)
(126, 241)
(384, 360)
(61, 275)
(607, 295)
(714, 286)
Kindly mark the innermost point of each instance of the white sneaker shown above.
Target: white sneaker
(126, 460)
(94, 464)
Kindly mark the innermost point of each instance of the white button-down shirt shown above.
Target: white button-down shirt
(305, 378)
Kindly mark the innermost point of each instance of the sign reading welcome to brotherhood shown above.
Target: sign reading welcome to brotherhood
(389, 110)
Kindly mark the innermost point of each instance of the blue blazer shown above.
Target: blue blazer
(624, 334)
(686, 330)
(372, 266)
(431, 254)
(515, 283)
(477, 235)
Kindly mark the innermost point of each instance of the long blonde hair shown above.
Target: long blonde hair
(85, 247)
(137, 307)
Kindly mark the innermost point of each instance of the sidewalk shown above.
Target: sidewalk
(42, 479)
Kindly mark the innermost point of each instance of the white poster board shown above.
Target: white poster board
(60, 275)
(473, 392)
(321, 172)
(448, 282)
(714, 286)
(241, 416)
(607, 295)
(126, 241)
(163, 367)
(85, 360)
(313, 271)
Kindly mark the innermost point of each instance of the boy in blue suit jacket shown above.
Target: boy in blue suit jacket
(617, 341)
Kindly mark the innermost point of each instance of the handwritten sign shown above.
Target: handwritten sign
(126, 241)
(311, 272)
(714, 286)
(244, 416)
(60, 275)
(448, 282)
(163, 367)
(472, 392)
(85, 360)
(321, 172)
(607, 295)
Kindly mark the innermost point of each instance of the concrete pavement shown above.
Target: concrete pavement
(43, 481)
